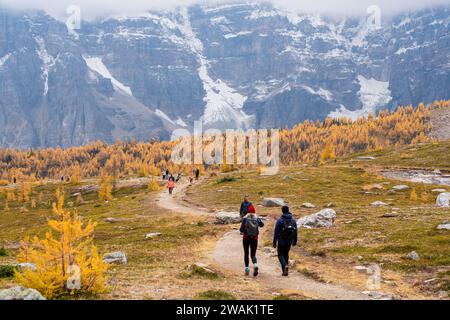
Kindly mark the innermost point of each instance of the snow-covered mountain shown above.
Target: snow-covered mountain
(232, 66)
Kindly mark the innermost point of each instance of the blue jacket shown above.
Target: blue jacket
(244, 208)
(279, 227)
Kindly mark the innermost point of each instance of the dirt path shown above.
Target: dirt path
(228, 254)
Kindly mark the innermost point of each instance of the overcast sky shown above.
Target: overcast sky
(100, 8)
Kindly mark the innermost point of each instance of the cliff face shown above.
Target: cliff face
(233, 66)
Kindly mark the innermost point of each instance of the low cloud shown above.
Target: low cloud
(99, 8)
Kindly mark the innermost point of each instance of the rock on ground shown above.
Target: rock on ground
(322, 219)
(20, 293)
(23, 266)
(444, 226)
(117, 257)
(400, 187)
(365, 158)
(227, 218)
(378, 204)
(202, 266)
(308, 205)
(152, 235)
(273, 202)
(443, 200)
(413, 256)
(438, 190)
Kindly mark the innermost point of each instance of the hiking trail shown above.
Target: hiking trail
(228, 253)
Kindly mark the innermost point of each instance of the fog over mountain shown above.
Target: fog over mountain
(141, 74)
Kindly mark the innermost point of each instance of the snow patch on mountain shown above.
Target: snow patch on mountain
(373, 95)
(47, 62)
(323, 93)
(4, 59)
(223, 103)
(96, 64)
(181, 122)
(235, 35)
(163, 116)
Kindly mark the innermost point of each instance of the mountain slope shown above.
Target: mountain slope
(232, 66)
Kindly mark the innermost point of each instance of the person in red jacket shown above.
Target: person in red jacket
(171, 185)
(250, 231)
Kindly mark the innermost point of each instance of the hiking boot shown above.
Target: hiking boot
(247, 271)
(255, 271)
(286, 271)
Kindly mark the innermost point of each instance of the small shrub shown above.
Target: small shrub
(7, 271)
(3, 252)
(226, 180)
(215, 295)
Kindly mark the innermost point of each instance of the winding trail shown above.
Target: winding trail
(228, 254)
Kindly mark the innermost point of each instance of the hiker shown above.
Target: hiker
(244, 206)
(191, 177)
(178, 177)
(285, 236)
(197, 173)
(171, 185)
(250, 231)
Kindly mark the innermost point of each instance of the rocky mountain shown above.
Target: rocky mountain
(231, 66)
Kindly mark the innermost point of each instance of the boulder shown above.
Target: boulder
(378, 204)
(273, 202)
(269, 250)
(152, 235)
(322, 219)
(227, 218)
(23, 266)
(117, 257)
(201, 268)
(400, 187)
(443, 200)
(413, 256)
(308, 205)
(20, 293)
(444, 226)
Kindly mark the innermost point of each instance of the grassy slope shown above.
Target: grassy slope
(156, 268)
(360, 229)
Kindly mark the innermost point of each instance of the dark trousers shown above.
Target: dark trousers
(250, 246)
(283, 255)
(170, 190)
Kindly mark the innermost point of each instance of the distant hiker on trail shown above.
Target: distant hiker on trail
(250, 230)
(285, 236)
(171, 185)
(191, 177)
(197, 174)
(178, 177)
(244, 206)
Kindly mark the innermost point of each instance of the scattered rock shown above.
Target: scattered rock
(286, 178)
(400, 187)
(201, 268)
(429, 280)
(322, 219)
(330, 205)
(378, 204)
(365, 158)
(20, 293)
(273, 202)
(23, 266)
(227, 218)
(373, 186)
(378, 295)
(349, 222)
(443, 294)
(360, 258)
(152, 235)
(438, 190)
(413, 256)
(117, 257)
(269, 250)
(308, 205)
(390, 215)
(443, 200)
(361, 269)
(113, 220)
(444, 226)
(292, 263)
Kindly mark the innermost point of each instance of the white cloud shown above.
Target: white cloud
(100, 8)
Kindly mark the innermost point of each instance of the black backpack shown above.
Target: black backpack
(251, 227)
(288, 230)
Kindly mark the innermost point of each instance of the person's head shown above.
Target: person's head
(247, 198)
(251, 210)
(285, 209)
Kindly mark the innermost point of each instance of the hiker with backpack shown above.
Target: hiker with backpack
(244, 206)
(285, 236)
(250, 231)
(171, 185)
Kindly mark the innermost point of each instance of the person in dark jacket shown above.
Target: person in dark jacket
(250, 231)
(285, 236)
(244, 206)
